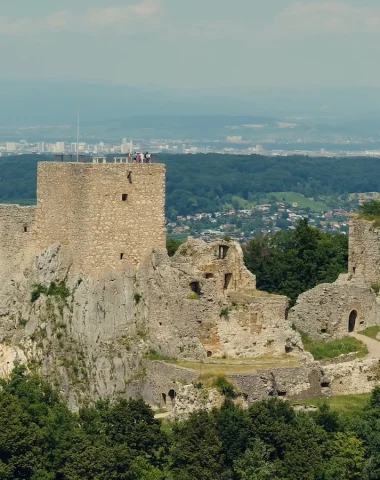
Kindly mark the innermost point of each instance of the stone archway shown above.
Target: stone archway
(352, 321)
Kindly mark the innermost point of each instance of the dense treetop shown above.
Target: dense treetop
(40, 439)
(291, 262)
(204, 183)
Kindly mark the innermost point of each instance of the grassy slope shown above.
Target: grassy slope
(335, 348)
(371, 332)
(303, 202)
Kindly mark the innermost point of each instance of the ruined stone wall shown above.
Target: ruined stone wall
(324, 311)
(222, 262)
(17, 239)
(364, 251)
(299, 382)
(81, 206)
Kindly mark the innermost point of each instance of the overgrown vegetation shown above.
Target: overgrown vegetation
(224, 313)
(172, 246)
(224, 387)
(60, 290)
(154, 355)
(327, 350)
(292, 262)
(40, 439)
(138, 298)
(370, 210)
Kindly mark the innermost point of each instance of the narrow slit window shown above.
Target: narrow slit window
(124, 197)
(122, 256)
(25, 229)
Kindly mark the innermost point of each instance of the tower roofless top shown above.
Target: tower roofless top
(109, 215)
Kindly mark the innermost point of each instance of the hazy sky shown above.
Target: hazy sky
(193, 43)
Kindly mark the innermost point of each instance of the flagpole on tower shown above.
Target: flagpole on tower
(78, 136)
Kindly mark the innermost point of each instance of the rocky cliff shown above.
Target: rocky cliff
(89, 336)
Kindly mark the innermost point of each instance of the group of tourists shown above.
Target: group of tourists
(141, 157)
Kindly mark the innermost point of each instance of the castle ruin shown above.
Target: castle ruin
(98, 233)
(331, 311)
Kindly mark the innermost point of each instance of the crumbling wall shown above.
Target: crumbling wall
(364, 251)
(17, 240)
(324, 311)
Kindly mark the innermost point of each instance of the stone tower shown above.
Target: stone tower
(108, 215)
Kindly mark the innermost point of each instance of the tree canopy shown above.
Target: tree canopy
(291, 262)
(40, 439)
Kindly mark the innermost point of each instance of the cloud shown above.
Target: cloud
(63, 20)
(116, 15)
(27, 26)
(326, 16)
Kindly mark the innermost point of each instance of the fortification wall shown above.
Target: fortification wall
(17, 239)
(324, 311)
(109, 215)
(364, 251)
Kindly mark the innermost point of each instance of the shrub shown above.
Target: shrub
(224, 386)
(376, 287)
(37, 291)
(138, 298)
(224, 312)
(154, 355)
(61, 290)
(193, 296)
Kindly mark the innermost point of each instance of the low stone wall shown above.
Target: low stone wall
(300, 382)
(163, 377)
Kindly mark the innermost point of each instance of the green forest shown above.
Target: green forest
(40, 439)
(294, 261)
(206, 183)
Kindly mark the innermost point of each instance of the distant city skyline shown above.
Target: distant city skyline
(197, 44)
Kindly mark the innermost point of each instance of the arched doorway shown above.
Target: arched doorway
(352, 321)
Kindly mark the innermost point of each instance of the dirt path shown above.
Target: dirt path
(372, 345)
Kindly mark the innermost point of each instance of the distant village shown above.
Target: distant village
(242, 225)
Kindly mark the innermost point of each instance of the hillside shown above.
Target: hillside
(207, 183)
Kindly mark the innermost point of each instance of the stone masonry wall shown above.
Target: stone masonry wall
(324, 311)
(81, 206)
(17, 239)
(364, 251)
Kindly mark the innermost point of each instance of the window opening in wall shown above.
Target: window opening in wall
(281, 394)
(122, 256)
(25, 229)
(223, 250)
(209, 354)
(195, 287)
(209, 275)
(325, 385)
(124, 197)
(323, 330)
(227, 280)
(353, 270)
(352, 320)
(164, 398)
(288, 349)
(129, 177)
